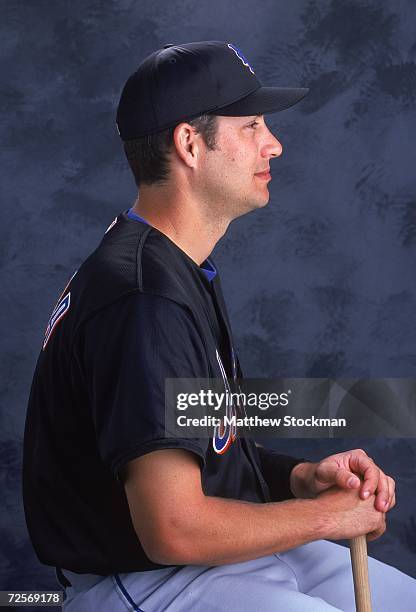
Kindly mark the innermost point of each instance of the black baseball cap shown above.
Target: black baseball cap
(181, 82)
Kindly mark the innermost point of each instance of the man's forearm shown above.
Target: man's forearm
(231, 531)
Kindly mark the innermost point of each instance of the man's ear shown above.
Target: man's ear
(186, 142)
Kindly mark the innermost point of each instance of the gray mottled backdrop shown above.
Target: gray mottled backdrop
(320, 283)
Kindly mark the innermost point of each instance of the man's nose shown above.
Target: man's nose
(272, 148)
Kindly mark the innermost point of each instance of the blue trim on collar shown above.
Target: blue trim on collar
(209, 269)
(132, 215)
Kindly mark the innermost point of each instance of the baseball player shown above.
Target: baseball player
(132, 519)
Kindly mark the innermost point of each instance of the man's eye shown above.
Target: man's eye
(254, 124)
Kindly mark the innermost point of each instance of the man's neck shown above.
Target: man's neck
(185, 221)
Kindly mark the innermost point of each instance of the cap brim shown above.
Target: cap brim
(263, 101)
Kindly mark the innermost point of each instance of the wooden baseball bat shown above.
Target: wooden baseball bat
(359, 562)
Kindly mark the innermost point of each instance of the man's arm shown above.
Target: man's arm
(177, 524)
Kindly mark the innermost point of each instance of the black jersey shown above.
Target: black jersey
(138, 311)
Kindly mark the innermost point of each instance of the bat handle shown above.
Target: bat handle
(359, 562)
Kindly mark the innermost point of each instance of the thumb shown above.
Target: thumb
(329, 474)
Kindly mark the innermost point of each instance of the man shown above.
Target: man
(132, 519)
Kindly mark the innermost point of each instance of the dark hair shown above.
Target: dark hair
(148, 156)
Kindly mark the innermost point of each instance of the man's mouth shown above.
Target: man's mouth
(265, 175)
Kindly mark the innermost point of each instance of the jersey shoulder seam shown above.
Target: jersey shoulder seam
(125, 295)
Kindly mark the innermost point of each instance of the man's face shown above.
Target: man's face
(235, 175)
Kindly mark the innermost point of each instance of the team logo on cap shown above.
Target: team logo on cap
(240, 57)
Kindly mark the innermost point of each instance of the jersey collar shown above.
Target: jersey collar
(207, 267)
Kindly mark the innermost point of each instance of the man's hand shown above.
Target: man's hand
(349, 470)
(348, 516)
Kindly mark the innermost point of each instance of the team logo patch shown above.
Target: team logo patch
(112, 224)
(224, 435)
(240, 57)
(59, 312)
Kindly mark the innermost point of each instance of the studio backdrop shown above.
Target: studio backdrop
(320, 283)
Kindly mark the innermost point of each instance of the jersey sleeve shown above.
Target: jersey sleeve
(130, 348)
(276, 469)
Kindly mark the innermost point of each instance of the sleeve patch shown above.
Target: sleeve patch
(59, 312)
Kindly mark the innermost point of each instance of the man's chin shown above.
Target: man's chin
(262, 202)
(253, 205)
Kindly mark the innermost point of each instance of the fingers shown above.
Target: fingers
(362, 464)
(383, 496)
(345, 470)
(392, 493)
(385, 493)
(329, 473)
(375, 481)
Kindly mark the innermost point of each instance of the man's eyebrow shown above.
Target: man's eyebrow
(252, 117)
